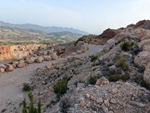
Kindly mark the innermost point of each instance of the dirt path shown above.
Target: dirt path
(11, 82)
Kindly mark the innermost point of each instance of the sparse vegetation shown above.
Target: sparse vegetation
(61, 86)
(26, 87)
(126, 45)
(121, 62)
(92, 80)
(93, 58)
(31, 108)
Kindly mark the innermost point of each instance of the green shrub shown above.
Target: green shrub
(11, 63)
(93, 58)
(121, 62)
(61, 86)
(92, 80)
(57, 68)
(26, 87)
(125, 77)
(125, 46)
(114, 77)
(0, 53)
(31, 108)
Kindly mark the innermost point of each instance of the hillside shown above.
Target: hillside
(84, 76)
(13, 36)
(44, 29)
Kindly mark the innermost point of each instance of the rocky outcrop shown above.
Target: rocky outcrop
(108, 33)
(143, 24)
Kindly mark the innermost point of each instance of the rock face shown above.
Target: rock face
(9, 67)
(108, 33)
(142, 59)
(39, 59)
(21, 64)
(143, 24)
(102, 81)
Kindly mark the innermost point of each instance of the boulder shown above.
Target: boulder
(40, 53)
(2, 66)
(63, 55)
(147, 74)
(142, 59)
(21, 64)
(9, 67)
(102, 81)
(34, 55)
(39, 59)
(30, 60)
(2, 70)
(54, 56)
(47, 58)
(15, 64)
(45, 52)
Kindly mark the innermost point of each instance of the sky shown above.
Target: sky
(92, 16)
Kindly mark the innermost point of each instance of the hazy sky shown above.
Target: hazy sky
(92, 16)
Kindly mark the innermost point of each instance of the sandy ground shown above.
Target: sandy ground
(11, 83)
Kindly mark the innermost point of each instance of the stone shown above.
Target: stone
(106, 103)
(87, 95)
(86, 46)
(142, 59)
(2, 70)
(30, 60)
(113, 101)
(47, 58)
(35, 55)
(83, 50)
(54, 56)
(99, 100)
(2, 66)
(114, 91)
(147, 74)
(112, 68)
(39, 59)
(78, 52)
(21, 64)
(73, 54)
(102, 81)
(9, 67)
(15, 64)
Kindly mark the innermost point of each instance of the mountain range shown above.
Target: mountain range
(46, 29)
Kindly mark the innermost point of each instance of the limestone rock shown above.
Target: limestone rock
(47, 58)
(39, 59)
(54, 56)
(73, 54)
(102, 81)
(30, 60)
(86, 46)
(142, 59)
(147, 74)
(99, 100)
(21, 64)
(9, 67)
(15, 64)
(2, 66)
(78, 52)
(2, 70)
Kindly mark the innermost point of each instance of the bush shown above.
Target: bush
(61, 86)
(92, 80)
(26, 87)
(31, 108)
(125, 77)
(114, 77)
(65, 104)
(121, 62)
(0, 53)
(125, 46)
(93, 58)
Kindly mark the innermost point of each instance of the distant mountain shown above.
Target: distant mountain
(42, 28)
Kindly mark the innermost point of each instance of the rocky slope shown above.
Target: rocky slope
(114, 80)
